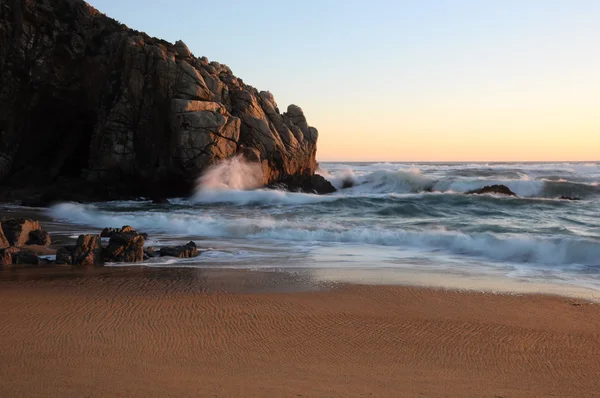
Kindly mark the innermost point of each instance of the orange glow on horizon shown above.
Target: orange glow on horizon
(432, 135)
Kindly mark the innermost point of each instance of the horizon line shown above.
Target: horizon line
(458, 161)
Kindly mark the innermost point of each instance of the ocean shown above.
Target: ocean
(396, 221)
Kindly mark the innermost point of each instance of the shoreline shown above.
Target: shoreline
(253, 333)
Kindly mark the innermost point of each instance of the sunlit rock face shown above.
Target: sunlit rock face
(90, 107)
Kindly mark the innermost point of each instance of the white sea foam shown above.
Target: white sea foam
(406, 178)
(527, 249)
(231, 174)
(259, 197)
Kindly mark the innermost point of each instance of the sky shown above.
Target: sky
(420, 80)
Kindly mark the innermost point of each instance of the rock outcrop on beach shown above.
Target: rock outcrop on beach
(86, 251)
(126, 247)
(18, 236)
(91, 109)
(188, 250)
(22, 231)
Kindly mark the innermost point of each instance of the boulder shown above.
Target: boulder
(182, 49)
(116, 114)
(185, 251)
(569, 198)
(88, 251)
(17, 230)
(493, 189)
(39, 237)
(125, 247)
(308, 184)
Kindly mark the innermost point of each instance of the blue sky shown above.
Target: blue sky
(408, 80)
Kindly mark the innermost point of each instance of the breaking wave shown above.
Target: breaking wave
(527, 249)
(412, 181)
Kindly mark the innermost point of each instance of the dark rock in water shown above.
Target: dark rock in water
(160, 201)
(39, 237)
(108, 232)
(569, 198)
(93, 110)
(498, 189)
(125, 247)
(149, 252)
(17, 230)
(186, 251)
(15, 255)
(347, 183)
(307, 184)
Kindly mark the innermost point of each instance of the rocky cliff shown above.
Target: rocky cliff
(90, 107)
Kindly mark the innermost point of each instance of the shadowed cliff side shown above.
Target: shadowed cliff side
(92, 109)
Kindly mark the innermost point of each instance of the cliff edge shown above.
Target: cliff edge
(91, 108)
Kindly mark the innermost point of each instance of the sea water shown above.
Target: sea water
(394, 217)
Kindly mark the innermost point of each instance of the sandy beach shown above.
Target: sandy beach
(243, 333)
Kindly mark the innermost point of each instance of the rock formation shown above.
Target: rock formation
(17, 256)
(125, 247)
(92, 109)
(188, 250)
(86, 251)
(493, 189)
(17, 235)
(22, 231)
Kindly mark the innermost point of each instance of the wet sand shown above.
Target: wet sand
(139, 333)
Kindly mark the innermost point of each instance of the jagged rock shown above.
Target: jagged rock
(125, 247)
(17, 230)
(39, 237)
(569, 198)
(149, 252)
(3, 241)
(308, 184)
(185, 251)
(498, 189)
(124, 114)
(88, 251)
